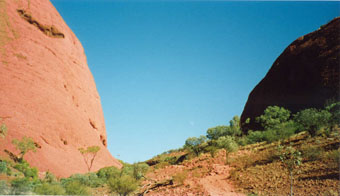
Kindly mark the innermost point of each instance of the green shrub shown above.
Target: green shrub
(21, 186)
(49, 178)
(312, 153)
(283, 131)
(108, 172)
(228, 144)
(242, 141)
(280, 132)
(232, 130)
(49, 189)
(89, 179)
(170, 159)
(196, 145)
(312, 120)
(24, 145)
(273, 117)
(123, 185)
(334, 158)
(211, 149)
(4, 188)
(255, 136)
(3, 167)
(139, 169)
(76, 188)
(25, 168)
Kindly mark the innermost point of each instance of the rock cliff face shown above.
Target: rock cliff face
(305, 75)
(47, 90)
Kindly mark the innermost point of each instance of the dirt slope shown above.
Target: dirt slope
(202, 175)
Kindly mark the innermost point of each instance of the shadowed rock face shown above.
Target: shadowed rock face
(305, 75)
(47, 90)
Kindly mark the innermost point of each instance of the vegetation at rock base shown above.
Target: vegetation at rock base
(294, 154)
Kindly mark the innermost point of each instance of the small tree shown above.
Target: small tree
(233, 129)
(123, 185)
(215, 132)
(139, 169)
(273, 116)
(196, 144)
(24, 145)
(89, 154)
(312, 119)
(229, 145)
(291, 158)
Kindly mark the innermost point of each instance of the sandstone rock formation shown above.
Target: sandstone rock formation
(305, 75)
(47, 91)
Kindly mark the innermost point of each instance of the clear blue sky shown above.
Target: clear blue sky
(166, 71)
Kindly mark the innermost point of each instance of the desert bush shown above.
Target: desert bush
(282, 131)
(196, 145)
(161, 165)
(76, 188)
(215, 132)
(273, 117)
(49, 189)
(279, 132)
(123, 185)
(255, 136)
(170, 159)
(27, 170)
(312, 120)
(232, 130)
(334, 158)
(139, 169)
(212, 149)
(331, 193)
(49, 178)
(180, 177)
(21, 186)
(312, 153)
(108, 172)
(24, 145)
(4, 188)
(242, 141)
(3, 167)
(228, 144)
(89, 179)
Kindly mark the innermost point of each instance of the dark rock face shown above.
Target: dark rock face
(305, 75)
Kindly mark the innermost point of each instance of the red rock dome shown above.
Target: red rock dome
(47, 90)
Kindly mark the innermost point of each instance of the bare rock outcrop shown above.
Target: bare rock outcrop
(47, 91)
(305, 75)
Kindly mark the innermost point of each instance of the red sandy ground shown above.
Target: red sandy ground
(204, 176)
